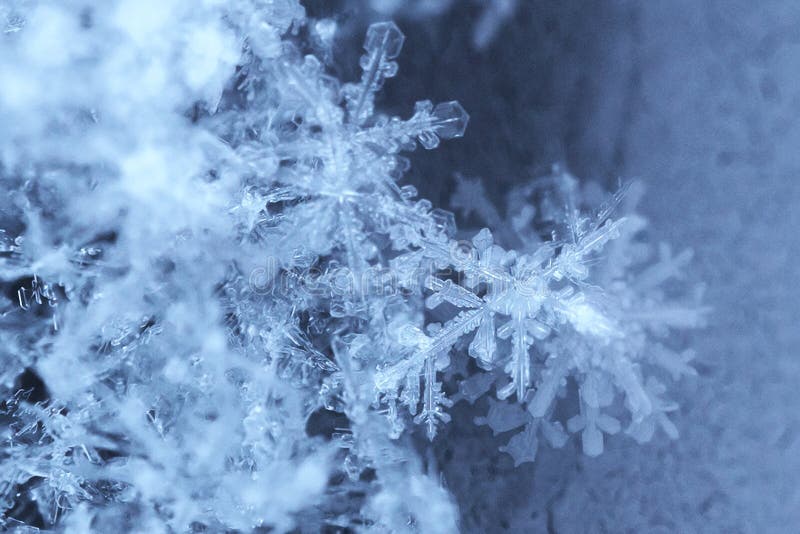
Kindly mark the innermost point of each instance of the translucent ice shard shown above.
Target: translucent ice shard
(447, 120)
(383, 43)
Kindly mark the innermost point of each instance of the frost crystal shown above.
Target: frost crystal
(543, 318)
(223, 310)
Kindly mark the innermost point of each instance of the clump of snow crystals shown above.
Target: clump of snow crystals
(222, 310)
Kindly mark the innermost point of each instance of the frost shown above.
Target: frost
(545, 318)
(223, 310)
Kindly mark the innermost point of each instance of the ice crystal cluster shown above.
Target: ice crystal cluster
(223, 310)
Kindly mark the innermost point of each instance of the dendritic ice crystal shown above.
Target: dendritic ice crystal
(223, 310)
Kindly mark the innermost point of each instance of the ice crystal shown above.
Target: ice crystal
(223, 310)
